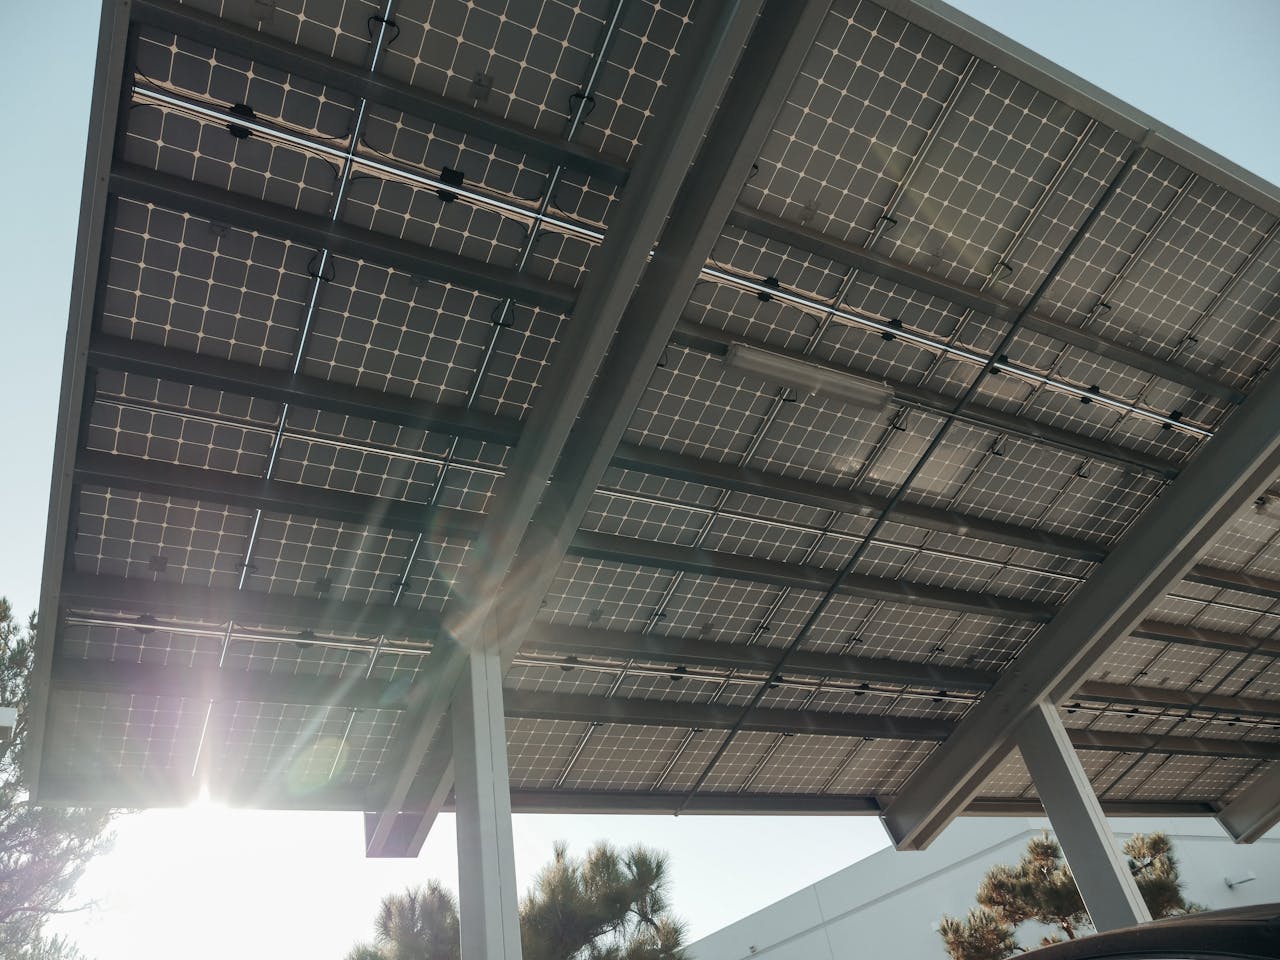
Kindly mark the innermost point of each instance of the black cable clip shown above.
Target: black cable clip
(578, 100)
(314, 271)
(450, 178)
(244, 112)
(386, 23)
(764, 296)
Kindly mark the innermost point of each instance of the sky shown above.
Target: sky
(297, 884)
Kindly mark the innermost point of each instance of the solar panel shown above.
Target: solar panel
(330, 301)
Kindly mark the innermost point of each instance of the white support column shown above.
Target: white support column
(487, 904)
(1100, 869)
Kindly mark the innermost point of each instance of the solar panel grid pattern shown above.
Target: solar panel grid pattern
(974, 168)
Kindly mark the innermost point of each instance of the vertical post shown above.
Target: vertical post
(488, 909)
(1110, 894)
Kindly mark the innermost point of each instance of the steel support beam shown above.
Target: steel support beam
(488, 908)
(1202, 637)
(257, 686)
(716, 342)
(130, 356)
(713, 716)
(590, 646)
(983, 302)
(598, 546)
(108, 352)
(96, 468)
(224, 684)
(87, 275)
(430, 794)
(1234, 580)
(685, 651)
(639, 803)
(164, 363)
(777, 51)
(161, 789)
(1158, 550)
(1181, 700)
(1099, 868)
(249, 213)
(384, 91)
(222, 605)
(1256, 810)
(709, 54)
(726, 476)
(187, 604)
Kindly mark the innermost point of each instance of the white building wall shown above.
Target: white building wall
(889, 904)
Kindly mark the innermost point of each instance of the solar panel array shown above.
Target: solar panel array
(287, 446)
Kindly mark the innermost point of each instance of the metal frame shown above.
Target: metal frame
(433, 777)
(716, 343)
(719, 33)
(113, 36)
(159, 793)
(361, 693)
(489, 911)
(114, 353)
(1101, 874)
(384, 91)
(248, 213)
(1256, 810)
(569, 647)
(1159, 549)
(980, 301)
(944, 21)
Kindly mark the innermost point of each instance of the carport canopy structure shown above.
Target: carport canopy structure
(641, 406)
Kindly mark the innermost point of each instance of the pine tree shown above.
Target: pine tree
(609, 905)
(982, 935)
(1040, 888)
(43, 850)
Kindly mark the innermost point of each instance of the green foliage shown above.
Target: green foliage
(611, 905)
(1040, 888)
(1155, 869)
(608, 905)
(982, 935)
(43, 850)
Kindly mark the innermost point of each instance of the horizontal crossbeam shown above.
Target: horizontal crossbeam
(260, 686)
(162, 789)
(164, 363)
(249, 213)
(274, 496)
(717, 342)
(212, 683)
(111, 470)
(690, 651)
(711, 716)
(983, 302)
(213, 605)
(107, 352)
(726, 476)
(585, 644)
(1166, 699)
(373, 88)
(794, 576)
(296, 499)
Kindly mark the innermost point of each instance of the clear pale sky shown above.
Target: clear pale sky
(205, 884)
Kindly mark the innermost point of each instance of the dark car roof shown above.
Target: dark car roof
(1239, 932)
